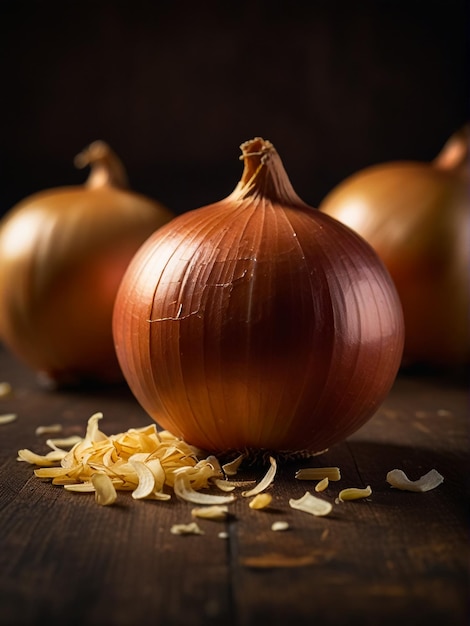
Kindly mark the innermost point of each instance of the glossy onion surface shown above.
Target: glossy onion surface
(258, 322)
(63, 253)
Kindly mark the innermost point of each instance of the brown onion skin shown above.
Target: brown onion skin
(63, 253)
(417, 218)
(258, 323)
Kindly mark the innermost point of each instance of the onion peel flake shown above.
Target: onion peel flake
(354, 493)
(7, 418)
(48, 429)
(322, 484)
(105, 493)
(398, 479)
(311, 504)
(265, 482)
(186, 529)
(260, 501)
(215, 512)
(318, 473)
(231, 468)
(5, 389)
(224, 485)
(184, 491)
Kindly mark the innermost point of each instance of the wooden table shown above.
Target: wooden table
(394, 558)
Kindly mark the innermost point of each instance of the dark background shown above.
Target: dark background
(175, 87)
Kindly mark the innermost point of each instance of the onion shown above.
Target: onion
(62, 256)
(417, 218)
(257, 323)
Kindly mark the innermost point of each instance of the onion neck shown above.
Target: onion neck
(264, 175)
(107, 169)
(455, 155)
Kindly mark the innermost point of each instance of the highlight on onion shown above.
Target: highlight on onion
(258, 323)
(63, 253)
(417, 218)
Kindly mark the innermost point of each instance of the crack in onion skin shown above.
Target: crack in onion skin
(63, 253)
(258, 323)
(417, 218)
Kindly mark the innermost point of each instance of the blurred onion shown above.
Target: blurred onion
(62, 256)
(417, 218)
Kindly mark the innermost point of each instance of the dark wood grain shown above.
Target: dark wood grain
(397, 557)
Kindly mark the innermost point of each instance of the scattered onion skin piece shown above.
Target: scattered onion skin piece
(63, 252)
(417, 218)
(258, 323)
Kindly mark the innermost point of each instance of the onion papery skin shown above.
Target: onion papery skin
(63, 253)
(417, 218)
(258, 323)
